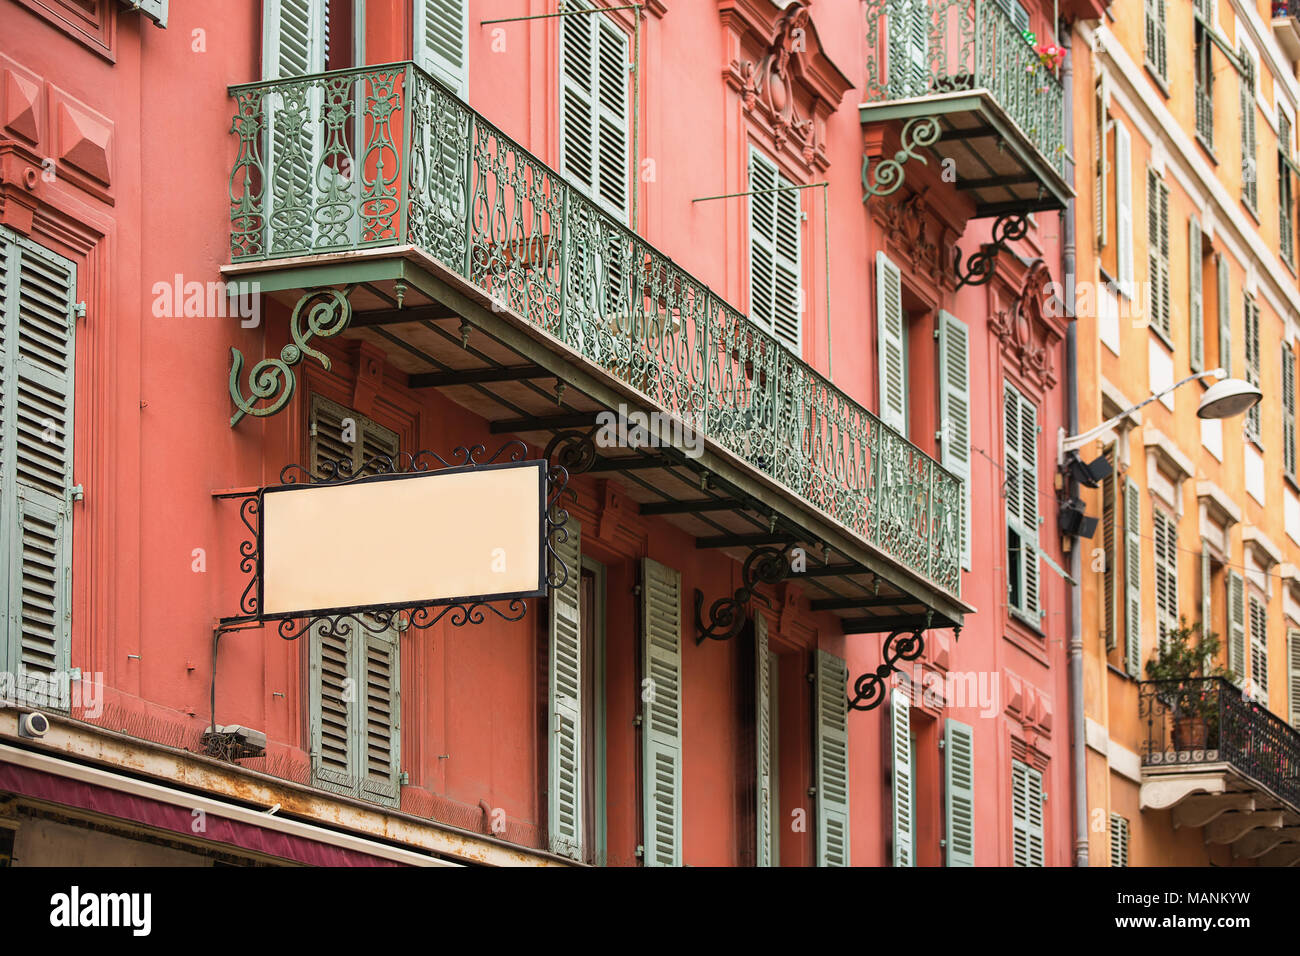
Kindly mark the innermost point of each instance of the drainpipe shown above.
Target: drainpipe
(1077, 756)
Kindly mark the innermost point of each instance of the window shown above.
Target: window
(1285, 192)
(1166, 561)
(1020, 440)
(775, 229)
(1110, 539)
(1156, 38)
(1027, 847)
(38, 313)
(1251, 331)
(1203, 86)
(1259, 646)
(354, 675)
(1158, 251)
(1288, 411)
(1249, 186)
(1196, 295)
(594, 108)
(1118, 840)
(442, 41)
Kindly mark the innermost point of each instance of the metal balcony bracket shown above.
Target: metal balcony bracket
(727, 615)
(1008, 227)
(906, 645)
(320, 313)
(918, 133)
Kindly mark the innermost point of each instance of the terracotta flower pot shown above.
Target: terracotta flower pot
(1190, 733)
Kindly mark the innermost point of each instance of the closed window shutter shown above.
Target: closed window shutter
(763, 742)
(1196, 310)
(379, 741)
(37, 363)
(1026, 815)
(1250, 321)
(1100, 196)
(1156, 34)
(775, 227)
(1249, 173)
(832, 760)
(1020, 438)
(1158, 250)
(954, 415)
(1110, 534)
(155, 10)
(1124, 210)
(1293, 676)
(1207, 602)
(1288, 410)
(565, 781)
(1237, 626)
(901, 780)
(293, 38)
(1132, 579)
(594, 108)
(1259, 645)
(442, 41)
(891, 360)
(1118, 840)
(661, 620)
(959, 789)
(335, 717)
(1225, 315)
(1166, 564)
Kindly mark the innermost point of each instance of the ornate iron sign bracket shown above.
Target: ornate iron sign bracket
(902, 645)
(727, 615)
(320, 313)
(918, 133)
(979, 266)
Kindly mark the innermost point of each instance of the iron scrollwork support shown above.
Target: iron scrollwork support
(320, 313)
(727, 615)
(979, 266)
(918, 133)
(903, 645)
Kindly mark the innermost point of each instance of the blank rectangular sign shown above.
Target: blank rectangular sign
(404, 540)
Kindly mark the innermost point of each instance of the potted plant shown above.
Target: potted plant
(1187, 657)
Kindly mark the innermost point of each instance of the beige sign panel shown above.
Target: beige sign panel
(404, 540)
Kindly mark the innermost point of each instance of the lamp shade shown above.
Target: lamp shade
(1228, 398)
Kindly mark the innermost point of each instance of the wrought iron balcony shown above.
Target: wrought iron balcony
(1286, 26)
(384, 156)
(1201, 729)
(991, 101)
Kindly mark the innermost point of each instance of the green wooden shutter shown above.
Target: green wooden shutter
(901, 782)
(1166, 567)
(891, 350)
(661, 622)
(1124, 210)
(954, 414)
(832, 760)
(959, 788)
(1293, 676)
(1250, 323)
(1118, 840)
(1225, 315)
(37, 364)
(1101, 183)
(1288, 410)
(1132, 579)
(1259, 645)
(155, 10)
(335, 716)
(775, 227)
(293, 33)
(379, 738)
(1156, 37)
(594, 108)
(1158, 250)
(1020, 446)
(1196, 310)
(565, 782)
(1237, 626)
(1207, 603)
(1249, 160)
(763, 742)
(442, 42)
(1110, 534)
(1026, 815)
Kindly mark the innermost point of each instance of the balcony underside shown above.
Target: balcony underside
(508, 374)
(995, 164)
(1286, 30)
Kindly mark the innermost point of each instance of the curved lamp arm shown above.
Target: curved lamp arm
(1075, 442)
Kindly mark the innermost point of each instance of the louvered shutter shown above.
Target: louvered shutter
(594, 108)
(1158, 250)
(661, 626)
(901, 783)
(959, 790)
(1250, 323)
(155, 10)
(37, 364)
(1259, 645)
(335, 715)
(1026, 815)
(1101, 179)
(917, 19)
(775, 226)
(1162, 39)
(763, 742)
(832, 760)
(1132, 579)
(379, 740)
(442, 41)
(565, 781)
(954, 415)
(1207, 603)
(1225, 315)
(1124, 210)
(1293, 676)
(1237, 626)
(1249, 160)
(891, 361)
(1196, 311)
(1020, 440)
(1118, 840)
(1166, 567)
(1110, 533)
(1288, 410)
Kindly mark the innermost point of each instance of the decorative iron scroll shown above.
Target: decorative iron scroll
(918, 133)
(902, 645)
(727, 615)
(979, 266)
(326, 313)
(420, 616)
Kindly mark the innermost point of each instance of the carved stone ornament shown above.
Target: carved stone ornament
(910, 230)
(1022, 326)
(770, 82)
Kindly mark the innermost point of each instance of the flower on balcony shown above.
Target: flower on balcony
(1049, 54)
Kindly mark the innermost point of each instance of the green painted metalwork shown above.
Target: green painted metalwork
(918, 132)
(924, 48)
(437, 175)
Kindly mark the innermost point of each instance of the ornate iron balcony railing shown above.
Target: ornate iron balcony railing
(385, 156)
(932, 47)
(1207, 720)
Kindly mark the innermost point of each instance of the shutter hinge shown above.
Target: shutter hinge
(78, 311)
(640, 852)
(404, 778)
(943, 844)
(812, 791)
(936, 332)
(636, 721)
(76, 493)
(311, 430)
(941, 743)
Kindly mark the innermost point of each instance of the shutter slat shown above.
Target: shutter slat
(661, 627)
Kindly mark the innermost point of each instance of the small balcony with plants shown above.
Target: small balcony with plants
(1286, 26)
